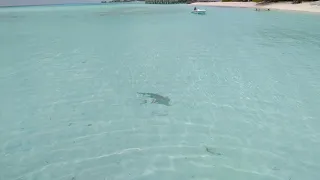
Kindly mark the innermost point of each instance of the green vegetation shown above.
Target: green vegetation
(192, 1)
(274, 1)
(167, 1)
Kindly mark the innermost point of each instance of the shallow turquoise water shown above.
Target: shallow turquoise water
(244, 88)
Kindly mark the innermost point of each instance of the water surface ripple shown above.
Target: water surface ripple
(244, 88)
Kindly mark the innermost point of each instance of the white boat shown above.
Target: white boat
(199, 11)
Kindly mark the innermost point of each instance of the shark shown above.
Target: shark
(157, 99)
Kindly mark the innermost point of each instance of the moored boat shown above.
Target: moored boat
(199, 11)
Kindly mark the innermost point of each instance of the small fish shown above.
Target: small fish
(159, 113)
(212, 151)
(275, 168)
(157, 99)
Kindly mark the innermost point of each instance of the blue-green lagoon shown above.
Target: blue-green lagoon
(244, 89)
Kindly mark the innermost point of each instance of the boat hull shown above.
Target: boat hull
(199, 11)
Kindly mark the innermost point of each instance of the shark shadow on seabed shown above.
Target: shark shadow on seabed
(156, 99)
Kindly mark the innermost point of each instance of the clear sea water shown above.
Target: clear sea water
(244, 89)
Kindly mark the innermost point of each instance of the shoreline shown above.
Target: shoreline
(283, 6)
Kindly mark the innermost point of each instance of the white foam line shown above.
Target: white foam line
(35, 171)
(111, 154)
(190, 156)
(134, 149)
(252, 150)
(94, 169)
(67, 149)
(139, 149)
(249, 172)
(98, 134)
(87, 136)
(202, 165)
(91, 101)
(238, 148)
(66, 175)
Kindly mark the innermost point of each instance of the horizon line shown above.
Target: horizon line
(63, 4)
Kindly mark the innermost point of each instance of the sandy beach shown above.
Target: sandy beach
(305, 6)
